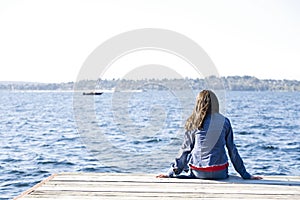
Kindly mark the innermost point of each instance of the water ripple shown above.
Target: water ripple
(39, 135)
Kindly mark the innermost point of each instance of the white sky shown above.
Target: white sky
(48, 41)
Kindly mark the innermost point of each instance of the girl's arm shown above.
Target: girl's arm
(181, 159)
(234, 155)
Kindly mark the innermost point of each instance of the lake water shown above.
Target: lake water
(42, 134)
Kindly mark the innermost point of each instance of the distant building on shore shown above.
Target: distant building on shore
(231, 83)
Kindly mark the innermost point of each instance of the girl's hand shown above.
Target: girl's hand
(256, 178)
(162, 176)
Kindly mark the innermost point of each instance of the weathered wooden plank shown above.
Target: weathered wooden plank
(158, 196)
(143, 186)
(176, 181)
(272, 180)
(55, 194)
(167, 189)
(162, 184)
(170, 186)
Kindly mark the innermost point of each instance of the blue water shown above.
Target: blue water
(41, 134)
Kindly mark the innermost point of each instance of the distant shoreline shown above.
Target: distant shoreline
(231, 83)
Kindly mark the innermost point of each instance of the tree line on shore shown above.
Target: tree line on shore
(232, 83)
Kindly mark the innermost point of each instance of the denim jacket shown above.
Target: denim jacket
(206, 147)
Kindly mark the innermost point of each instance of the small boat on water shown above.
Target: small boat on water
(92, 93)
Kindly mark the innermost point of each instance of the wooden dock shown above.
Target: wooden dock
(142, 186)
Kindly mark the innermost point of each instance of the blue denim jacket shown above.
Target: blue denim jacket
(206, 147)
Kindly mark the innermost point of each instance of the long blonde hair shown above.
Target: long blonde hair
(206, 103)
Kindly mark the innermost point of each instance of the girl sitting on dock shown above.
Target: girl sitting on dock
(203, 150)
